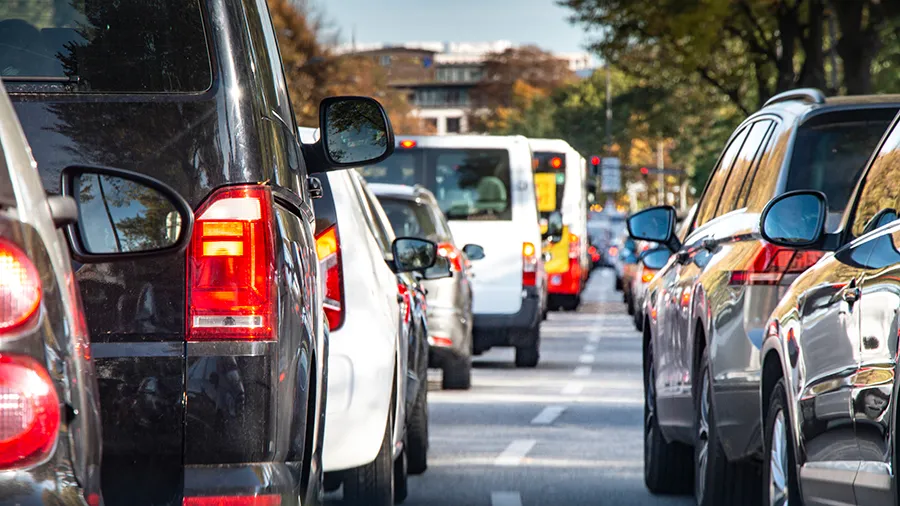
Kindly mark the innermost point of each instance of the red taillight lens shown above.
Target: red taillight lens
(328, 249)
(252, 500)
(231, 267)
(407, 301)
(452, 254)
(29, 411)
(20, 287)
(613, 251)
(529, 264)
(408, 144)
(772, 264)
(647, 275)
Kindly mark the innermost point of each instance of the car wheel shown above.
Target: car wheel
(618, 284)
(630, 304)
(779, 465)
(373, 484)
(667, 466)
(717, 480)
(417, 433)
(529, 354)
(457, 373)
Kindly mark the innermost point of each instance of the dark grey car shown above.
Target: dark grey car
(706, 311)
(414, 212)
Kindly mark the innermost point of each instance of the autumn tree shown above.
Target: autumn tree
(527, 66)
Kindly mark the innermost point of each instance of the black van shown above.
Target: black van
(210, 365)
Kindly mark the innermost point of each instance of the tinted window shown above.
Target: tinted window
(741, 171)
(713, 191)
(105, 45)
(408, 218)
(881, 188)
(830, 157)
(469, 184)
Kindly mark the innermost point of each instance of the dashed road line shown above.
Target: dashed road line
(548, 415)
(582, 370)
(515, 453)
(506, 499)
(586, 359)
(590, 348)
(594, 339)
(572, 389)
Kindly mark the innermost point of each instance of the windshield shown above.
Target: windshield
(123, 46)
(470, 184)
(408, 218)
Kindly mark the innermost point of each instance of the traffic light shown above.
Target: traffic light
(645, 173)
(595, 165)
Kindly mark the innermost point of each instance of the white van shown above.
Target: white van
(561, 183)
(485, 187)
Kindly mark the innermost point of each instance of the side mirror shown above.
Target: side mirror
(473, 251)
(440, 269)
(355, 131)
(123, 214)
(655, 258)
(795, 219)
(413, 254)
(880, 219)
(656, 224)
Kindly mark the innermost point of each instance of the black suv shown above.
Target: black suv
(210, 365)
(706, 311)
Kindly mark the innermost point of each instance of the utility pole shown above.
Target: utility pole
(608, 111)
(661, 181)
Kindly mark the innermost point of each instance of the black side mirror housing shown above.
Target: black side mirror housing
(473, 251)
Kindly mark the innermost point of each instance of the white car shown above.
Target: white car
(366, 430)
(485, 187)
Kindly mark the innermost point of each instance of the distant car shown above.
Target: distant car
(414, 212)
(51, 450)
(485, 187)
(604, 228)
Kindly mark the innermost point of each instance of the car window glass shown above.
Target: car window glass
(382, 224)
(765, 179)
(713, 191)
(881, 188)
(409, 218)
(748, 160)
(371, 220)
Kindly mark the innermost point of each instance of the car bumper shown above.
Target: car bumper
(567, 282)
(244, 480)
(447, 329)
(514, 329)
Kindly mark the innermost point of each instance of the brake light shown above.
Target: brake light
(647, 275)
(408, 144)
(328, 249)
(556, 162)
(529, 264)
(772, 264)
(251, 500)
(574, 246)
(613, 251)
(231, 267)
(29, 411)
(452, 254)
(20, 287)
(407, 301)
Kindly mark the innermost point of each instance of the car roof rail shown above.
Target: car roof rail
(810, 95)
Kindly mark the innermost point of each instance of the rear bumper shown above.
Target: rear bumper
(567, 282)
(243, 480)
(514, 329)
(447, 323)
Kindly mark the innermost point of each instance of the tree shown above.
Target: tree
(529, 65)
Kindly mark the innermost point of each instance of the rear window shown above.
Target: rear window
(830, 158)
(549, 181)
(121, 46)
(470, 184)
(408, 218)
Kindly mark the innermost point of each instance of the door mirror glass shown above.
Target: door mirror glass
(794, 219)
(655, 258)
(124, 213)
(656, 224)
(355, 131)
(413, 254)
(473, 251)
(554, 226)
(440, 269)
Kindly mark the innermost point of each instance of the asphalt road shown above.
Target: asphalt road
(566, 433)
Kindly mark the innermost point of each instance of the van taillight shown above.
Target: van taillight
(231, 267)
(452, 254)
(774, 265)
(328, 249)
(20, 287)
(29, 411)
(529, 264)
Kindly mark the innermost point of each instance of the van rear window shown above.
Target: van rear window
(470, 184)
(104, 46)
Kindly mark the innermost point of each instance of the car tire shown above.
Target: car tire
(618, 284)
(457, 373)
(417, 434)
(629, 302)
(668, 466)
(778, 420)
(401, 477)
(717, 480)
(638, 321)
(529, 355)
(373, 484)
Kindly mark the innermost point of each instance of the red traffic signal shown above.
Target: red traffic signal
(595, 160)
(645, 171)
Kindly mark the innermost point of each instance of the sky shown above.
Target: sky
(540, 22)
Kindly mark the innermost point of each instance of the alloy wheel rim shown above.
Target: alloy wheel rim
(778, 463)
(702, 439)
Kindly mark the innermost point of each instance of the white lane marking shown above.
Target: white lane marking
(590, 348)
(515, 453)
(586, 359)
(594, 339)
(506, 499)
(572, 389)
(582, 370)
(548, 415)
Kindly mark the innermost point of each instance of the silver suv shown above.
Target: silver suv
(705, 312)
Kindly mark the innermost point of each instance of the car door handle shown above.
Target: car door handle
(850, 295)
